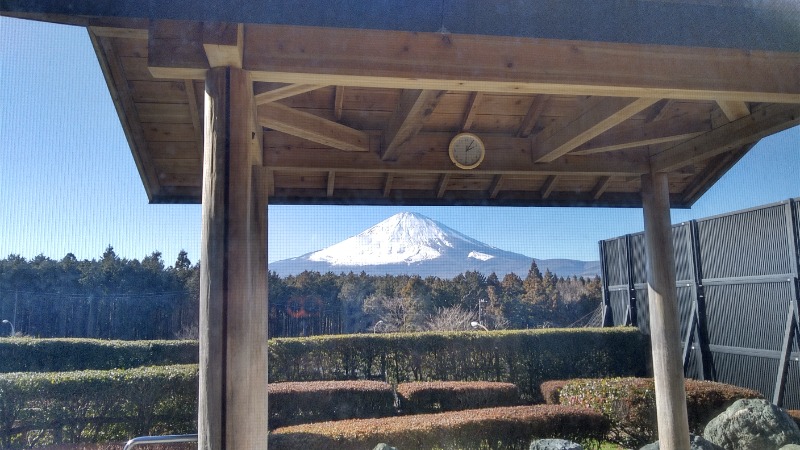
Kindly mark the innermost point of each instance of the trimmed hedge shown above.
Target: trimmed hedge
(491, 428)
(294, 403)
(630, 404)
(62, 355)
(436, 396)
(95, 406)
(523, 357)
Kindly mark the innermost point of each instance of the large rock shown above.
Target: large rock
(554, 444)
(750, 424)
(697, 443)
(383, 446)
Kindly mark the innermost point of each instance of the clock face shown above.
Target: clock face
(467, 151)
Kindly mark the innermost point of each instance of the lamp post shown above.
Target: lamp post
(375, 327)
(478, 325)
(12, 327)
(480, 310)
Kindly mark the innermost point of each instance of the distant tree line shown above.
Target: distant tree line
(118, 298)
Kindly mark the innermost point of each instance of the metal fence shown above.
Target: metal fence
(737, 279)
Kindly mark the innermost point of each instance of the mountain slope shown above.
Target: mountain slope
(409, 243)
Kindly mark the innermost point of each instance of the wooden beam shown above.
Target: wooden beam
(194, 112)
(338, 103)
(600, 187)
(762, 122)
(121, 33)
(714, 170)
(387, 186)
(223, 44)
(657, 111)
(497, 185)
(590, 150)
(474, 63)
(734, 110)
(547, 186)
(665, 334)
(414, 108)
(232, 404)
(427, 153)
(442, 188)
(471, 111)
(532, 116)
(331, 182)
(314, 128)
(599, 117)
(287, 91)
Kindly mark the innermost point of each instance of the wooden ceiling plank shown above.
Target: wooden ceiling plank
(471, 110)
(547, 186)
(635, 144)
(496, 186)
(442, 187)
(760, 123)
(734, 110)
(331, 182)
(600, 187)
(285, 92)
(223, 44)
(600, 117)
(338, 103)
(414, 107)
(314, 128)
(532, 116)
(121, 33)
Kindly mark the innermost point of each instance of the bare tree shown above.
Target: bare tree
(450, 319)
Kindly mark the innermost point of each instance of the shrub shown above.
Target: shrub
(419, 397)
(318, 401)
(629, 403)
(89, 406)
(523, 357)
(62, 355)
(551, 390)
(489, 428)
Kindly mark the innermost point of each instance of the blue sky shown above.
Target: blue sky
(68, 182)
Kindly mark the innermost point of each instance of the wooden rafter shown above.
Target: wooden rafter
(600, 187)
(331, 183)
(194, 112)
(338, 103)
(532, 116)
(637, 135)
(287, 91)
(760, 123)
(599, 116)
(471, 110)
(547, 186)
(223, 44)
(500, 64)
(414, 107)
(442, 187)
(387, 185)
(314, 128)
(734, 110)
(497, 185)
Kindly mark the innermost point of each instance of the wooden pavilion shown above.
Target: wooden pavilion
(634, 103)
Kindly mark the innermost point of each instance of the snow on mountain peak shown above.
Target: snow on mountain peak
(402, 238)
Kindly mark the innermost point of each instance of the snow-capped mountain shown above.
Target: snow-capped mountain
(410, 243)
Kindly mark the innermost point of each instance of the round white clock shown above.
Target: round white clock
(467, 150)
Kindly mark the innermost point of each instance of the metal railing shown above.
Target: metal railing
(169, 439)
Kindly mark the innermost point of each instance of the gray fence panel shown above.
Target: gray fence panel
(737, 279)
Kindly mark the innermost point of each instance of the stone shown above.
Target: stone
(383, 446)
(697, 443)
(791, 447)
(750, 424)
(554, 444)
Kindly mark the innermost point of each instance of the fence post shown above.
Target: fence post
(632, 316)
(793, 316)
(608, 320)
(704, 359)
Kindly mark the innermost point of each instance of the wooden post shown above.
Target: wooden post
(232, 410)
(665, 338)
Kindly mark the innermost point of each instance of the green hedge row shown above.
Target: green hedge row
(62, 355)
(94, 406)
(507, 428)
(523, 357)
(437, 396)
(294, 403)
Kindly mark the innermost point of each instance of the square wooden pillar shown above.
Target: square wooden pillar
(665, 338)
(232, 410)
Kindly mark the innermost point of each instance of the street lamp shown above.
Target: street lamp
(477, 325)
(12, 327)
(375, 327)
(480, 310)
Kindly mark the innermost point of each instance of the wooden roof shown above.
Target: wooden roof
(360, 115)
